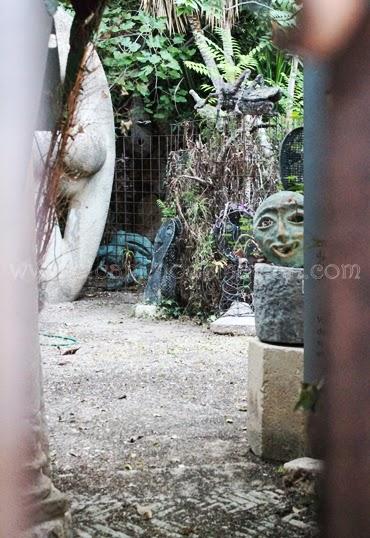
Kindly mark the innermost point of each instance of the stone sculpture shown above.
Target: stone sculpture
(240, 98)
(163, 272)
(87, 181)
(278, 288)
(275, 365)
(278, 228)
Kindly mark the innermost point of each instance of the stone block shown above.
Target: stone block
(305, 465)
(275, 373)
(146, 311)
(237, 321)
(278, 304)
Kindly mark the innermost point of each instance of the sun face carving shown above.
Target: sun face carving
(278, 228)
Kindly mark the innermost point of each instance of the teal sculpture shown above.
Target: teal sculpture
(278, 228)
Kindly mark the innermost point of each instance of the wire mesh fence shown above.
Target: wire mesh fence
(134, 217)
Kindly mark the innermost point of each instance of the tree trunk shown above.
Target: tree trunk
(85, 23)
(205, 51)
(291, 92)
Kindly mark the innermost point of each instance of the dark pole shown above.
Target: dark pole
(346, 186)
(316, 78)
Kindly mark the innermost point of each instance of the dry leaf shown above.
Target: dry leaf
(72, 351)
(144, 511)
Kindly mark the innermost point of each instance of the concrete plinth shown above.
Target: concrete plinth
(275, 373)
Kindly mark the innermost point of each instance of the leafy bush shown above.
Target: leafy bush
(141, 59)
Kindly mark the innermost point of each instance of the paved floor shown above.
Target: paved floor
(148, 430)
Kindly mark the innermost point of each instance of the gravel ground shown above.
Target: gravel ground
(148, 429)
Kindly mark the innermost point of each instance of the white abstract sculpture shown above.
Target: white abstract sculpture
(87, 179)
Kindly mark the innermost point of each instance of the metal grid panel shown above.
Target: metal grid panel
(134, 216)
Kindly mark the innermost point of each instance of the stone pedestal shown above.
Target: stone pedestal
(275, 373)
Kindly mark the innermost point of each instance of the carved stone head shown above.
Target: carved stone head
(278, 228)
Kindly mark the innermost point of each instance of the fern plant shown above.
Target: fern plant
(263, 59)
(284, 12)
(227, 56)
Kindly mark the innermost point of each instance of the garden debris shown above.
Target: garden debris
(135, 438)
(56, 340)
(71, 351)
(233, 167)
(146, 311)
(144, 511)
(125, 260)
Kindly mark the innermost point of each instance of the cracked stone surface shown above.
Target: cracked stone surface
(148, 430)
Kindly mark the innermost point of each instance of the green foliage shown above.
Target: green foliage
(168, 211)
(309, 396)
(262, 57)
(230, 63)
(211, 9)
(141, 59)
(169, 309)
(195, 206)
(246, 225)
(284, 12)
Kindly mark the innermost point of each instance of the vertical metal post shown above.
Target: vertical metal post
(316, 82)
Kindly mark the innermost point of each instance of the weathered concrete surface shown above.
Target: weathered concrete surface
(275, 374)
(238, 320)
(148, 418)
(278, 304)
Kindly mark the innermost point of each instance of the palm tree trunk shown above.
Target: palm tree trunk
(201, 43)
(291, 91)
(227, 43)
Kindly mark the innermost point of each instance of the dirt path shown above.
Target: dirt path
(148, 429)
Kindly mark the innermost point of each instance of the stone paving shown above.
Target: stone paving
(147, 430)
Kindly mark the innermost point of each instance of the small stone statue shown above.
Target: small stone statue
(278, 228)
(163, 273)
(278, 288)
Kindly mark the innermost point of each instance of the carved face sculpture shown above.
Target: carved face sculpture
(278, 228)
